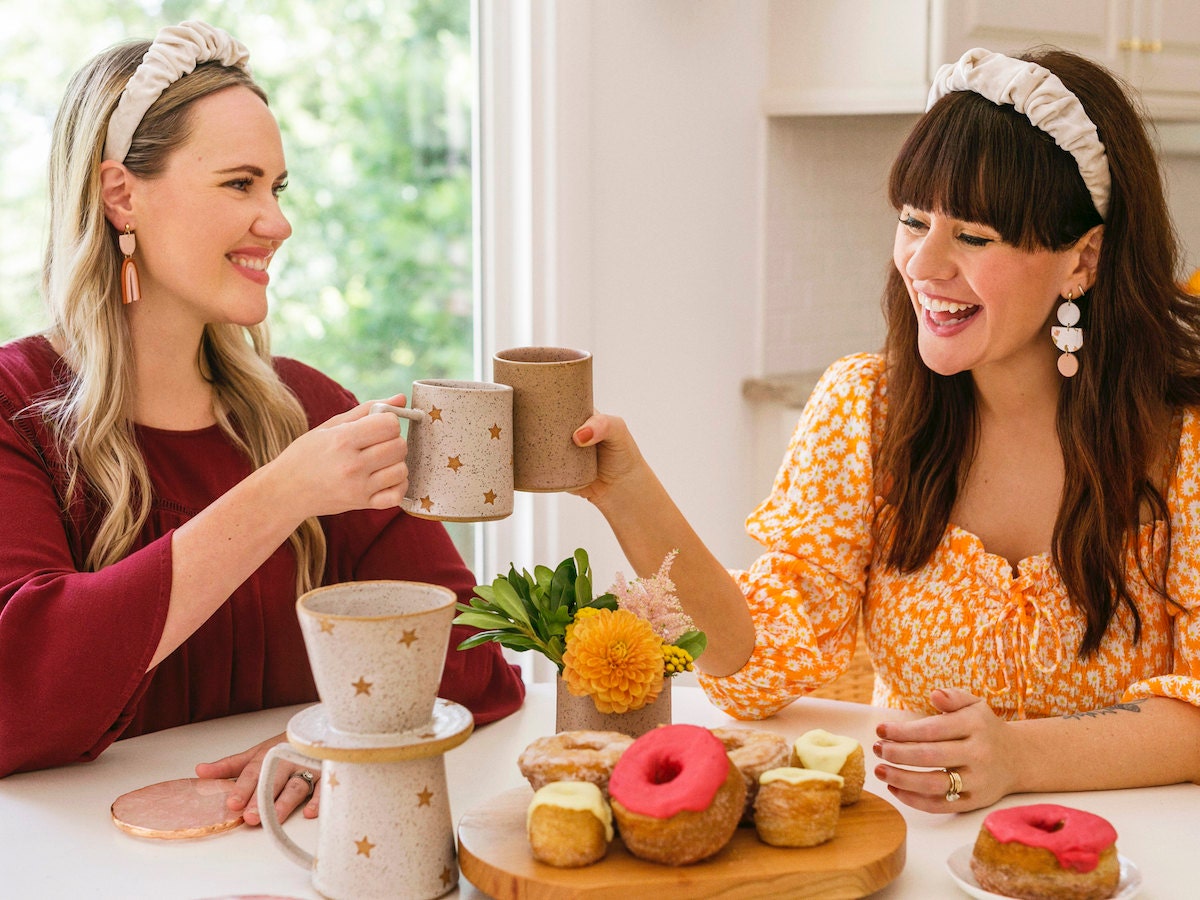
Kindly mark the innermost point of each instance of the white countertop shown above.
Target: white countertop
(57, 839)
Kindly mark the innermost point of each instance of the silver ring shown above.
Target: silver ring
(956, 785)
(307, 777)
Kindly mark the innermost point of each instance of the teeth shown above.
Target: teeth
(251, 262)
(943, 305)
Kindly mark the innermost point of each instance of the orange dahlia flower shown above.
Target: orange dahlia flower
(616, 658)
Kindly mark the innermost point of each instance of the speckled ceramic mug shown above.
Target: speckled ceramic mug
(552, 397)
(460, 450)
(384, 831)
(377, 650)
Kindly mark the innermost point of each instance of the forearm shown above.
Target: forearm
(648, 525)
(1148, 742)
(219, 549)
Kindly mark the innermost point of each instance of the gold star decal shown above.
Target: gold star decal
(326, 626)
(435, 414)
(495, 432)
(409, 637)
(454, 463)
(424, 797)
(331, 782)
(447, 877)
(364, 847)
(362, 686)
(490, 497)
(426, 504)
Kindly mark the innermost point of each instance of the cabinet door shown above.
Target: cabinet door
(1012, 26)
(1162, 49)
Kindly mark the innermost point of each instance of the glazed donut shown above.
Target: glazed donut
(573, 756)
(753, 752)
(797, 807)
(676, 796)
(833, 753)
(569, 824)
(1045, 850)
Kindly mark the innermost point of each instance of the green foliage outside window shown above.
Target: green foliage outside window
(374, 101)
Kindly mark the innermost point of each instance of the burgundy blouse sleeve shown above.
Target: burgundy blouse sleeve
(74, 646)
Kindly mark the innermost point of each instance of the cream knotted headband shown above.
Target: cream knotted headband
(1039, 94)
(176, 51)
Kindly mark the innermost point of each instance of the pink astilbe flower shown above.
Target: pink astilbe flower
(654, 600)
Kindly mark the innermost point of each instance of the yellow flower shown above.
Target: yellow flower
(581, 613)
(616, 658)
(676, 660)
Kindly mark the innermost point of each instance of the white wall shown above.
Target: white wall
(654, 217)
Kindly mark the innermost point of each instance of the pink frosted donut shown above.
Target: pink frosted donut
(1045, 850)
(676, 795)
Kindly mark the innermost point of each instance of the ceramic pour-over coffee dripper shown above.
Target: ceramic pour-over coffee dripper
(377, 651)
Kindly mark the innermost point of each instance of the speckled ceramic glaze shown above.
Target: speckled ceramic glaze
(580, 714)
(460, 450)
(385, 829)
(552, 396)
(377, 649)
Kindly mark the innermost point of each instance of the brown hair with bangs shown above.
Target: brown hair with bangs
(977, 161)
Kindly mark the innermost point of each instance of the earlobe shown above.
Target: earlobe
(116, 192)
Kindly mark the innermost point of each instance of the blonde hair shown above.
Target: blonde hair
(80, 279)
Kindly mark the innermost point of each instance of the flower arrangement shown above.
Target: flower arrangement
(616, 648)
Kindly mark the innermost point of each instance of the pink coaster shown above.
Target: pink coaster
(185, 808)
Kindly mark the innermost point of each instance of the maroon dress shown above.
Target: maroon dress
(74, 645)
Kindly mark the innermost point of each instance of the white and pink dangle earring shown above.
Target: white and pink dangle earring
(131, 286)
(1066, 336)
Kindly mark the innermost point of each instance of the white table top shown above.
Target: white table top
(57, 839)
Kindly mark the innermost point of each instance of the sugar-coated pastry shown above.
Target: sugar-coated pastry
(753, 752)
(569, 824)
(1043, 851)
(818, 749)
(676, 795)
(797, 807)
(573, 756)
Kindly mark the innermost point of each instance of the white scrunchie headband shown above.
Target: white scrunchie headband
(1038, 93)
(176, 51)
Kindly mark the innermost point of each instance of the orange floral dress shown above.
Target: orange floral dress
(964, 620)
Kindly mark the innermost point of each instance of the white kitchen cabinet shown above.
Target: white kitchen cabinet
(871, 56)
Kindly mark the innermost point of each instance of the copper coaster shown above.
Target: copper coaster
(172, 810)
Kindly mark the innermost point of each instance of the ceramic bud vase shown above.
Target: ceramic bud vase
(580, 714)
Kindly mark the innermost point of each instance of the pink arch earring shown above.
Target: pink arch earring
(1066, 336)
(131, 287)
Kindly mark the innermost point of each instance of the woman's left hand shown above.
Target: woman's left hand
(966, 738)
(291, 789)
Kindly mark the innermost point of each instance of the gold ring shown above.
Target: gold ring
(307, 777)
(956, 785)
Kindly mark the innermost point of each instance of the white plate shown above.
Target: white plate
(959, 865)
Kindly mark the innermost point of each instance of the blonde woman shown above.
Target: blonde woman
(168, 486)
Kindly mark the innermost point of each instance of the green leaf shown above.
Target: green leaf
(581, 562)
(483, 637)
(479, 619)
(544, 575)
(510, 603)
(583, 591)
(485, 592)
(562, 586)
(694, 642)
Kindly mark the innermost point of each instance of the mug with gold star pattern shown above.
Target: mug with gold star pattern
(460, 450)
(377, 650)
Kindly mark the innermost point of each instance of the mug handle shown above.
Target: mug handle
(266, 802)
(414, 415)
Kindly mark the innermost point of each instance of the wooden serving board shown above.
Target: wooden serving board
(866, 854)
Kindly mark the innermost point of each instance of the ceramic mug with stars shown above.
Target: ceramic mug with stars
(377, 650)
(460, 450)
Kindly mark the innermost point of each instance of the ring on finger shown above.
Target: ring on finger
(307, 777)
(956, 785)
